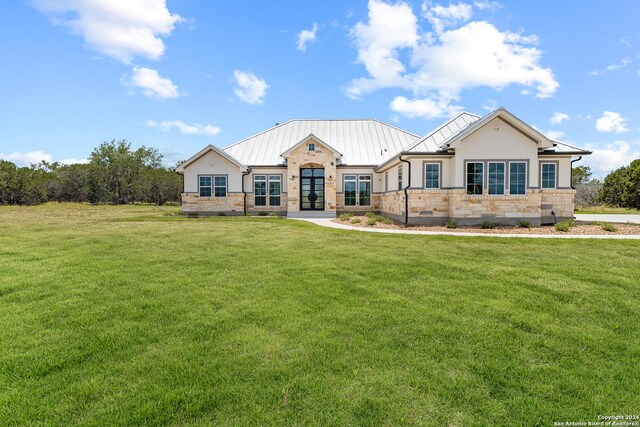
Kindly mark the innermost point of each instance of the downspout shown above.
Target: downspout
(406, 193)
(572, 162)
(244, 193)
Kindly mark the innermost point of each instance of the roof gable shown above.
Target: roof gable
(541, 140)
(303, 141)
(206, 150)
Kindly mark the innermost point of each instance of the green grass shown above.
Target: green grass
(136, 315)
(605, 210)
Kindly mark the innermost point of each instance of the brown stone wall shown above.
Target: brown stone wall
(251, 207)
(232, 204)
(559, 201)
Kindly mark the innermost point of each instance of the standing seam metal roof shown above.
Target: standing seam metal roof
(362, 142)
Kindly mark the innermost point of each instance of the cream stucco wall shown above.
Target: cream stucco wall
(497, 140)
(212, 163)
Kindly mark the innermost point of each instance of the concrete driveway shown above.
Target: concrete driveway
(617, 218)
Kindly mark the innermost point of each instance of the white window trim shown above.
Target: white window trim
(267, 179)
(400, 177)
(214, 186)
(369, 179)
(526, 176)
(439, 165)
(555, 176)
(357, 181)
(504, 177)
(206, 186)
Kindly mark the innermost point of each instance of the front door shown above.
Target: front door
(312, 189)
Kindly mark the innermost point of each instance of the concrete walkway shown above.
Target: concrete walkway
(324, 222)
(617, 218)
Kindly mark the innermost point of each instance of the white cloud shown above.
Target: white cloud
(611, 157)
(119, 29)
(151, 83)
(425, 107)
(487, 5)
(554, 134)
(26, 159)
(558, 118)
(612, 67)
(442, 17)
(305, 37)
(611, 122)
(444, 63)
(185, 129)
(73, 161)
(249, 88)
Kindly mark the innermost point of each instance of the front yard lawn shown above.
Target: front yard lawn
(135, 315)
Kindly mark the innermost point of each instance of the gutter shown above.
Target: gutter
(244, 193)
(439, 153)
(572, 162)
(406, 195)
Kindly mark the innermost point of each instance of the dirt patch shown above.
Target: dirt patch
(580, 229)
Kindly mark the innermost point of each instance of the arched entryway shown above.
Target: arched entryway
(311, 189)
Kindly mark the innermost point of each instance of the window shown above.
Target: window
(357, 190)
(517, 178)
(260, 190)
(386, 181)
(350, 186)
(275, 187)
(400, 178)
(496, 178)
(432, 175)
(260, 185)
(312, 147)
(475, 172)
(364, 188)
(204, 186)
(548, 175)
(220, 186)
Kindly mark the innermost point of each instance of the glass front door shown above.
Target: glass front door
(312, 189)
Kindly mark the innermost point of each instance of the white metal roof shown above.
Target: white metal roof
(562, 147)
(435, 140)
(361, 142)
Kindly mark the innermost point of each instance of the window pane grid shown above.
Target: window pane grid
(432, 175)
(220, 186)
(400, 178)
(350, 190)
(517, 178)
(548, 175)
(474, 178)
(204, 185)
(496, 178)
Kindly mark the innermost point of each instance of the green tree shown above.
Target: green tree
(22, 186)
(580, 175)
(622, 186)
(118, 173)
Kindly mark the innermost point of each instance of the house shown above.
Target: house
(470, 169)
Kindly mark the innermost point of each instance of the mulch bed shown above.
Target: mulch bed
(579, 229)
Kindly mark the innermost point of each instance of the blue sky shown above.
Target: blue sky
(180, 74)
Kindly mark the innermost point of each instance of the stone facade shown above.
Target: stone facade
(376, 204)
(436, 207)
(233, 204)
(301, 157)
(279, 210)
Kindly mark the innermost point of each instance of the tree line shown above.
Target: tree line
(620, 188)
(114, 174)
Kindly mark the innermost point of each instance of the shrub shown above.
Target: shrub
(345, 216)
(193, 214)
(384, 219)
(565, 225)
(263, 213)
(487, 225)
(372, 221)
(524, 224)
(356, 220)
(370, 215)
(451, 224)
(609, 227)
(273, 213)
(222, 214)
